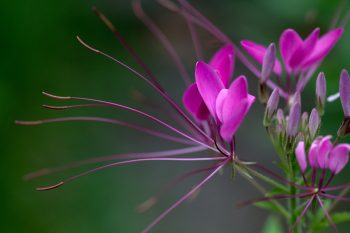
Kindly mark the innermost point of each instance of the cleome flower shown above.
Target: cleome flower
(326, 160)
(300, 56)
(218, 108)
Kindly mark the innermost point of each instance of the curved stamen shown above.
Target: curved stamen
(162, 93)
(154, 154)
(302, 214)
(327, 214)
(152, 200)
(277, 176)
(105, 120)
(275, 197)
(163, 39)
(177, 203)
(115, 105)
(132, 52)
(122, 163)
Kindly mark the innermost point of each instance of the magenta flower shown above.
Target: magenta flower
(212, 98)
(222, 64)
(297, 54)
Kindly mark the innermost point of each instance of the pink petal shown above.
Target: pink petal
(323, 46)
(289, 42)
(313, 153)
(304, 49)
(257, 52)
(301, 157)
(220, 102)
(339, 158)
(235, 107)
(223, 61)
(325, 147)
(194, 103)
(209, 85)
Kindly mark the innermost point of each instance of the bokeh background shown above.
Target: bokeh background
(39, 52)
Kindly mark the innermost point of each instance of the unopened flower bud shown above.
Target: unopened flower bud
(304, 120)
(344, 90)
(271, 107)
(280, 121)
(268, 63)
(293, 120)
(321, 89)
(314, 123)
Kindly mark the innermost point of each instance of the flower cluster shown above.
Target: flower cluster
(218, 106)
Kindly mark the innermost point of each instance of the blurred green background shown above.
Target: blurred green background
(39, 52)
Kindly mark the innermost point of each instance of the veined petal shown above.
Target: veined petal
(289, 42)
(325, 147)
(323, 46)
(209, 85)
(223, 61)
(304, 49)
(301, 157)
(194, 103)
(339, 157)
(220, 103)
(258, 51)
(235, 107)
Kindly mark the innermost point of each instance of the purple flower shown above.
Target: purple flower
(297, 54)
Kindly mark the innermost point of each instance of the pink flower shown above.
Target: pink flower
(297, 54)
(222, 63)
(209, 95)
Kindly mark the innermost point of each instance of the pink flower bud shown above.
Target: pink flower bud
(344, 90)
(300, 155)
(268, 62)
(314, 123)
(293, 120)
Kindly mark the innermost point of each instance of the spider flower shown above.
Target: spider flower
(223, 106)
(300, 57)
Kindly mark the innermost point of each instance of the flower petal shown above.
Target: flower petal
(339, 158)
(300, 155)
(209, 85)
(325, 147)
(194, 103)
(235, 107)
(289, 42)
(220, 103)
(304, 49)
(313, 153)
(257, 52)
(323, 46)
(223, 61)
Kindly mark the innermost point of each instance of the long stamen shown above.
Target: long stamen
(115, 105)
(302, 214)
(143, 155)
(327, 214)
(126, 162)
(198, 186)
(329, 180)
(132, 52)
(338, 198)
(105, 120)
(277, 176)
(196, 17)
(195, 40)
(163, 39)
(152, 200)
(162, 93)
(337, 14)
(276, 197)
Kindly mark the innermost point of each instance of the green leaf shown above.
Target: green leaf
(273, 225)
(338, 217)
